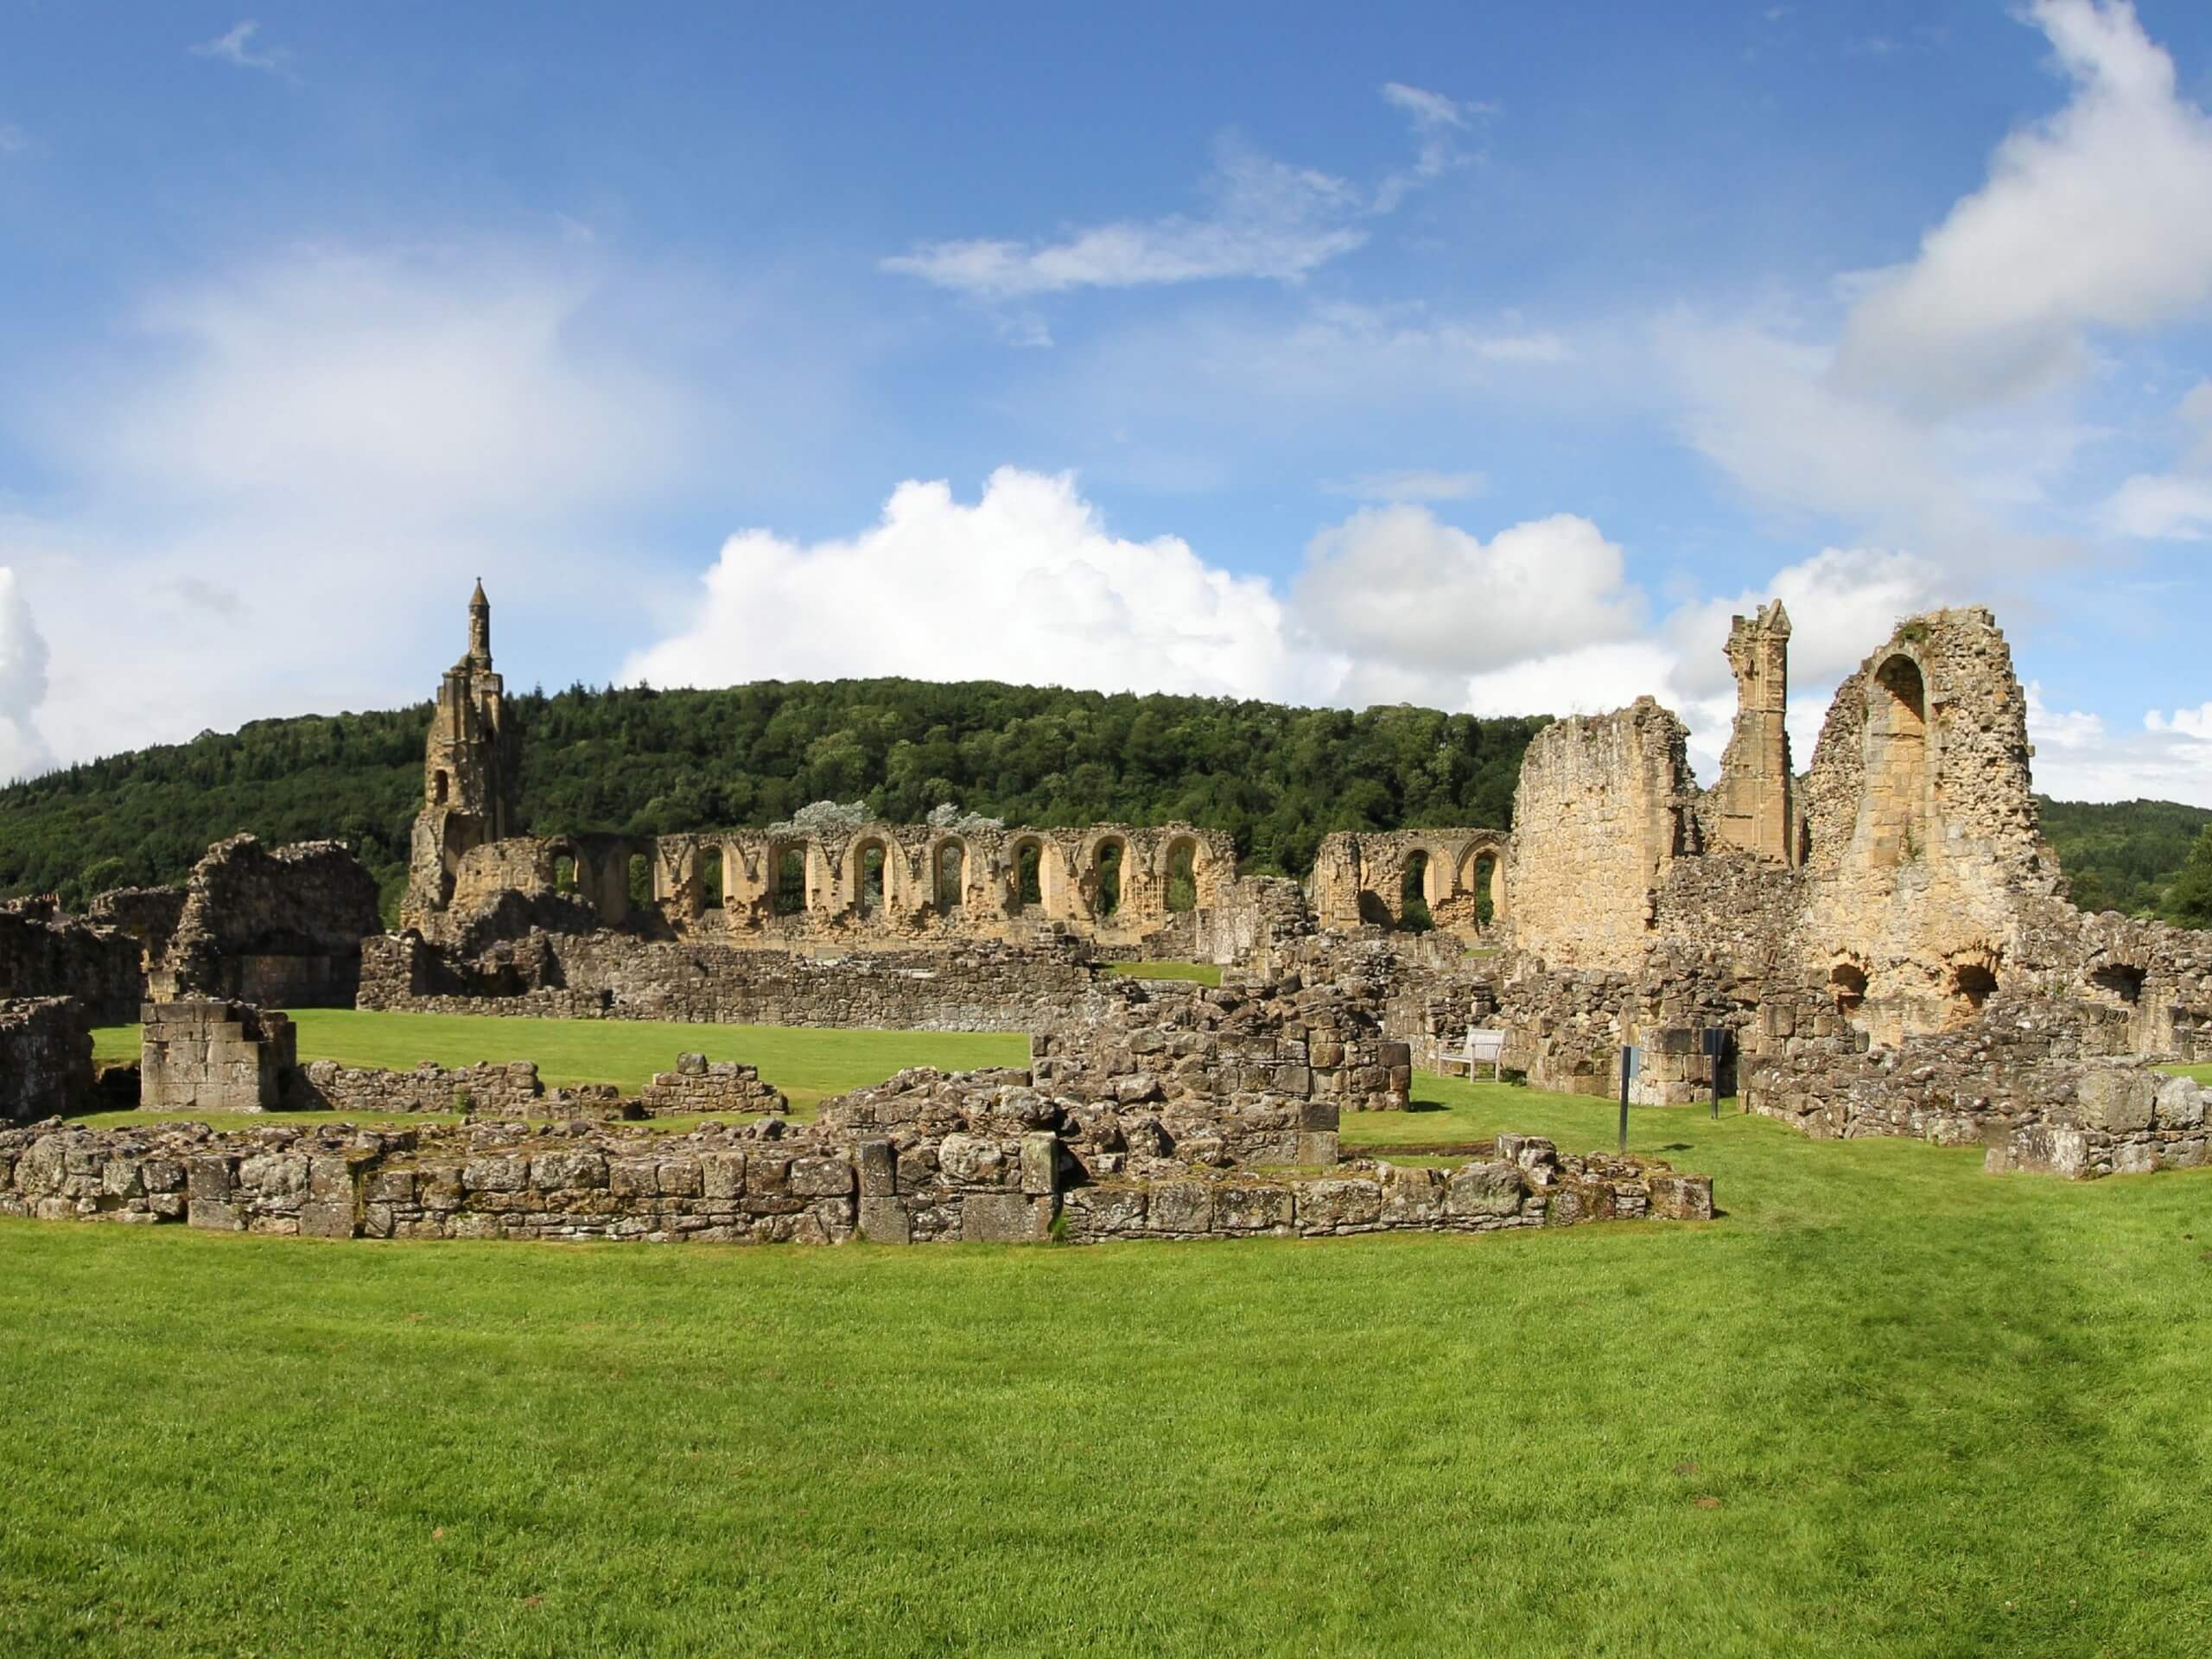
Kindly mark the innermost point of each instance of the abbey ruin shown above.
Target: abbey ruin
(1881, 943)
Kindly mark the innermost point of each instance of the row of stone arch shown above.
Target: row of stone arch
(1413, 880)
(1107, 877)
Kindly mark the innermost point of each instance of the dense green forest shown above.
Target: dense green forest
(655, 762)
(2127, 855)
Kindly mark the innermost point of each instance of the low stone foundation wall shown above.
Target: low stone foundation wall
(699, 1085)
(491, 1088)
(2119, 1122)
(755, 1185)
(46, 1058)
(979, 987)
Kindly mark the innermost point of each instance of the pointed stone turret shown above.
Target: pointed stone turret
(468, 773)
(1756, 812)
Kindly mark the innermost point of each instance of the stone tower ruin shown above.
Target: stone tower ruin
(468, 769)
(1756, 805)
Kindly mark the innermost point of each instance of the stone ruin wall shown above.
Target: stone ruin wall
(44, 953)
(1602, 804)
(979, 987)
(872, 885)
(46, 1058)
(1363, 878)
(996, 1181)
(280, 928)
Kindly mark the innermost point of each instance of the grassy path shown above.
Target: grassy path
(1886, 1405)
(806, 1064)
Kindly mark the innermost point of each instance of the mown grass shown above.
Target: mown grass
(806, 1063)
(1196, 973)
(1886, 1405)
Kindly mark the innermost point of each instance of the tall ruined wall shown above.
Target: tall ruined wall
(280, 928)
(1923, 854)
(1603, 803)
(1752, 809)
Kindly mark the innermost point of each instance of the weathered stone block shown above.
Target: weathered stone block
(1003, 1218)
(1254, 1209)
(2120, 1100)
(2180, 1104)
(1334, 1205)
(320, 1219)
(1181, 1207)
(1041, 1164)
(821, 1178)
(496, 1172)
(884, 1220)
(1493, 1189)
(878, 1163)
(721, 1174)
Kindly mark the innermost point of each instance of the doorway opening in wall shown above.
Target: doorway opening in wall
(1413, 894)
(641, 882)
(710, 878)
(1109, 867)
(1029, 874)
(1483, 881)
(564, 872)
(951, 876)
(1182, 877)
(790, 881)
(439, 787)
(1847, 984)
(869, 888)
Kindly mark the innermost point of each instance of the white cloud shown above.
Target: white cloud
(1409, 604)
(433, 382)
(1264, 218)
(2078, 758)
(2082, 225)
(22, 682)
(14, 141)
(2172, 506)
(275, 495)
(1027, 585)
(235, 47)
(1412, 483)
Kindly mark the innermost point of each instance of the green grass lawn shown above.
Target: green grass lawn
(806, 1063)
(1199, 973)
(2201, 1073)
(1886, 1405)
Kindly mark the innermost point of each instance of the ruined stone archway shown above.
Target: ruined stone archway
(1897, 770)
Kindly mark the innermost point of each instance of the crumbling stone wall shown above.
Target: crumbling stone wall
(701, 1085)
(1604, 802)
(46, 1058)
(203, 1055)
(758, 1185)
(979, 987)
(44, 953)
(280, 928)
(1752, 808)
(1368, 877)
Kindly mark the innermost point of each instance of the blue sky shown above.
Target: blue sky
(1482, 355)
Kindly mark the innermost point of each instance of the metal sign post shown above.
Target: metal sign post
(1632, 1063)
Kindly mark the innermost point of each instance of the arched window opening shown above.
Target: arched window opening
(2120, 980)
(1896, 762)
(790, 881)
(868, 890)
(440, 787)
(564, 872)
(1182, 877)
(710, 878)
(1847, 983)
(1108, 868)
(1972, 985)
(951, 876)
(1413, 894)
(641, 882)
(1029, 874)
